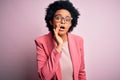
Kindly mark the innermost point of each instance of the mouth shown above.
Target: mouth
(62, 27)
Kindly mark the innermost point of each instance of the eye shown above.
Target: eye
(57, 17)
(68, 19)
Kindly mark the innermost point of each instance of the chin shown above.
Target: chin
(62, 33)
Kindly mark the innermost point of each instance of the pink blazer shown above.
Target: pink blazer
(48, 57)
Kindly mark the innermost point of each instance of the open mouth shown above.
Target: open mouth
(62, 27)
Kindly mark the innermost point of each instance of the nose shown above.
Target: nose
(63, 21)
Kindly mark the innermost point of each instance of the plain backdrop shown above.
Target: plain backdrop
(21, 21)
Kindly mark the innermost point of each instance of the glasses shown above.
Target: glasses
(59, 18)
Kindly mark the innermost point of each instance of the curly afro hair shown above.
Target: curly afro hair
(61, 4)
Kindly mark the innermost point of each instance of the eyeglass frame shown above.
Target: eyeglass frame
(61, 18)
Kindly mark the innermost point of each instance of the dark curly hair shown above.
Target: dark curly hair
(61, 4)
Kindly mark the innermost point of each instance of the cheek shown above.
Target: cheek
(52, 22)
(67, 29)
(55, 24)
(68, 26)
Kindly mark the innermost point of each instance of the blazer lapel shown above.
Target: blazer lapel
(72, 49)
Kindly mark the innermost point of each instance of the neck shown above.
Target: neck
(64, 37)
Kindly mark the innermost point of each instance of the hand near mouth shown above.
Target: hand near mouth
(58, 39)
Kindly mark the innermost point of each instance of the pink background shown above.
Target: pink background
(21, 21)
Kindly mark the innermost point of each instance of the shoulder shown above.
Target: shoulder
(76, 40)
(76, 37)
(43, 38)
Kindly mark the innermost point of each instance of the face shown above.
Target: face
(62, 19)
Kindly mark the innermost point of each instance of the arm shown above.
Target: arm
(82, 73)
(47, 65)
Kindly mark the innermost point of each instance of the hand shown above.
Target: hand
(58, 39)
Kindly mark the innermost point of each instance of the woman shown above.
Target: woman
(60, 54)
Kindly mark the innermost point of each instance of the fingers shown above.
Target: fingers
(56, 28)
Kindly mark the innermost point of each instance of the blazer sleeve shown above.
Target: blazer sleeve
(82, 73)
(47, 64)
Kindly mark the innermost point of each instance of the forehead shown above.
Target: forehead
(63, 12)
